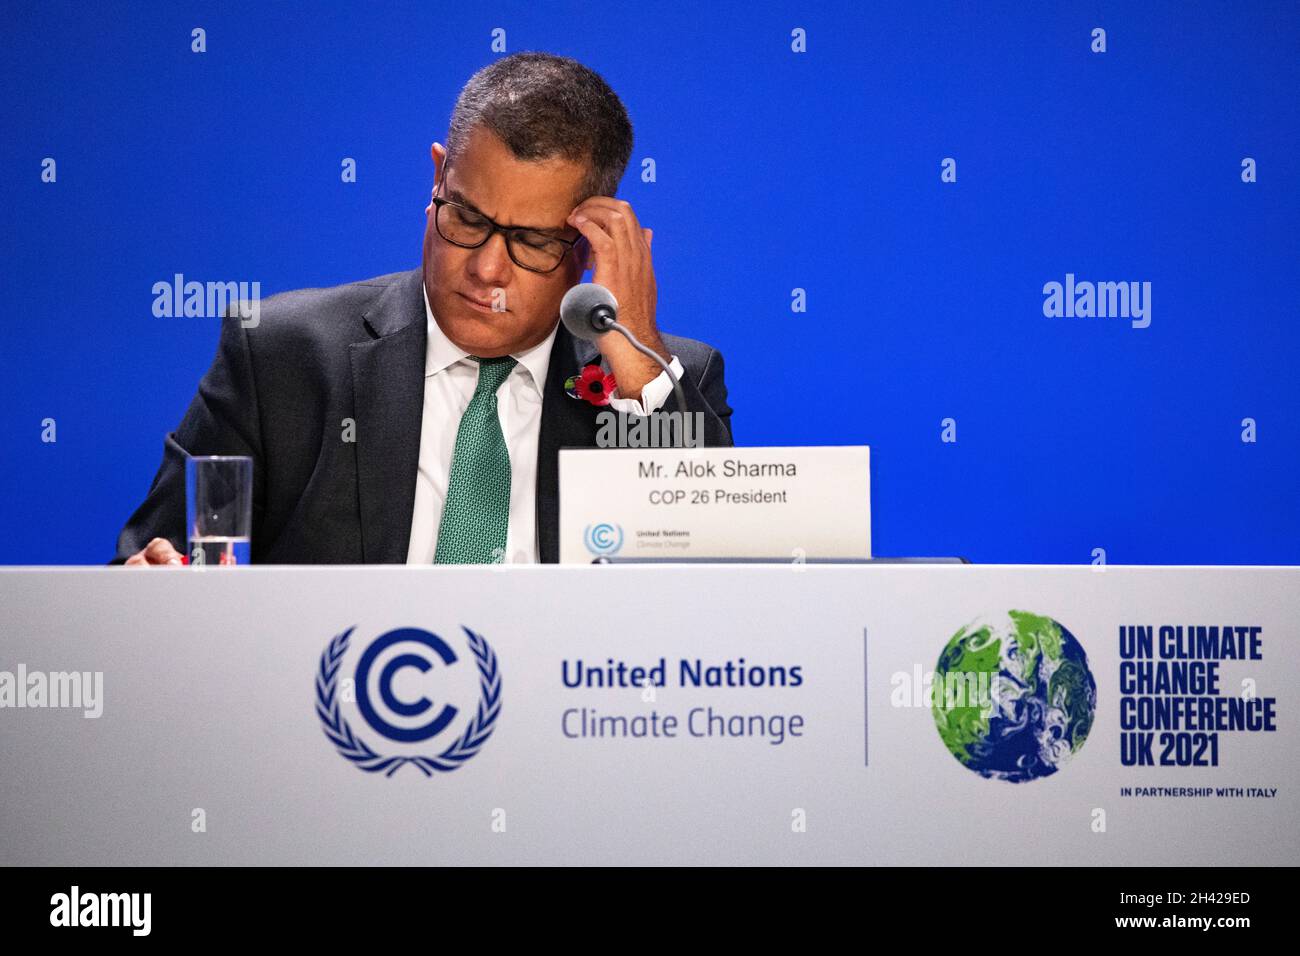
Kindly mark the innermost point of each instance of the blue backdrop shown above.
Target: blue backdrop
(776, 171)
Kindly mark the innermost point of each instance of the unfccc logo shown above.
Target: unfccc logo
(390, 699)
(603, 538)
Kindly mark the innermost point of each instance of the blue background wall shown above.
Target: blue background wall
(776, 171)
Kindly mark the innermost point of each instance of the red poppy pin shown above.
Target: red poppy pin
(593, 383)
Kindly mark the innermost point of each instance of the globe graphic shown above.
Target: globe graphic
(1013, 697)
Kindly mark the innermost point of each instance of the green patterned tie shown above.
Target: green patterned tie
(476, 513)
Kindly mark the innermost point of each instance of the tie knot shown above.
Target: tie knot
(492, 372)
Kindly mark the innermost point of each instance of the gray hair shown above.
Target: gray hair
(541, 106)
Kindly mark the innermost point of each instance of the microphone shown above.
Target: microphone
(590, 311)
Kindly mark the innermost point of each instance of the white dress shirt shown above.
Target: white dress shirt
(450, 377)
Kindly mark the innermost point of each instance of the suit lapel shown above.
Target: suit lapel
(566, 423)
(388, 392)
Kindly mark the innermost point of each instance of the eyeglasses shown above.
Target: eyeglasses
(528, 248)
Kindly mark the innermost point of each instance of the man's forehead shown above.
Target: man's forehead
(515, 192)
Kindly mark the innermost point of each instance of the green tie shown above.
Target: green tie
(476, 513)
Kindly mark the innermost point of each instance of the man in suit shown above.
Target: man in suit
(417, 417)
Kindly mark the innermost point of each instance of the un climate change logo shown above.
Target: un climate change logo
(603, 538)
(1014, 698)
(408, 719)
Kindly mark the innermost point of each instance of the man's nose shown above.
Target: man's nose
(490, 263)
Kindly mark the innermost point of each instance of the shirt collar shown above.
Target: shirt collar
(442, 353)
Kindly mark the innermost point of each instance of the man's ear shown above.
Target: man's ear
(438, 153)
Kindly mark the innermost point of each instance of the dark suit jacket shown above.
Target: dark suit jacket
(279, 392)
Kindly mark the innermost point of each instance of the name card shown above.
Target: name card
(792, 503)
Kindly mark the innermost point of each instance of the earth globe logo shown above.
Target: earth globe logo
(1013, 697)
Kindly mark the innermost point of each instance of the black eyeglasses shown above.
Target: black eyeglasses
(528, 248)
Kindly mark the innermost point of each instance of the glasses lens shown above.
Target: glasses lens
(461, 226)
(536, 250)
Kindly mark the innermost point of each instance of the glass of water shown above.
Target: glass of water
(219, 509)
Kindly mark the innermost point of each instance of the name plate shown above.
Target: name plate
(790, 503)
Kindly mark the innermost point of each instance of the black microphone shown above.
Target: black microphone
(590, 311)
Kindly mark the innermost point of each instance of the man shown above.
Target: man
(417, 417)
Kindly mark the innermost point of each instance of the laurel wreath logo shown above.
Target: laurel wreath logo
(359, 752)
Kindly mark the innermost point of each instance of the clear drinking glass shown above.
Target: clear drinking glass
(219, 509)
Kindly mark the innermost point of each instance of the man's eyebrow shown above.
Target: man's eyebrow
(455, 195)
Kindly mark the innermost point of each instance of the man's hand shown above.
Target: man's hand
(621, 250)
(157, 551)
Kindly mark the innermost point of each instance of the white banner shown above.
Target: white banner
(704, 714)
